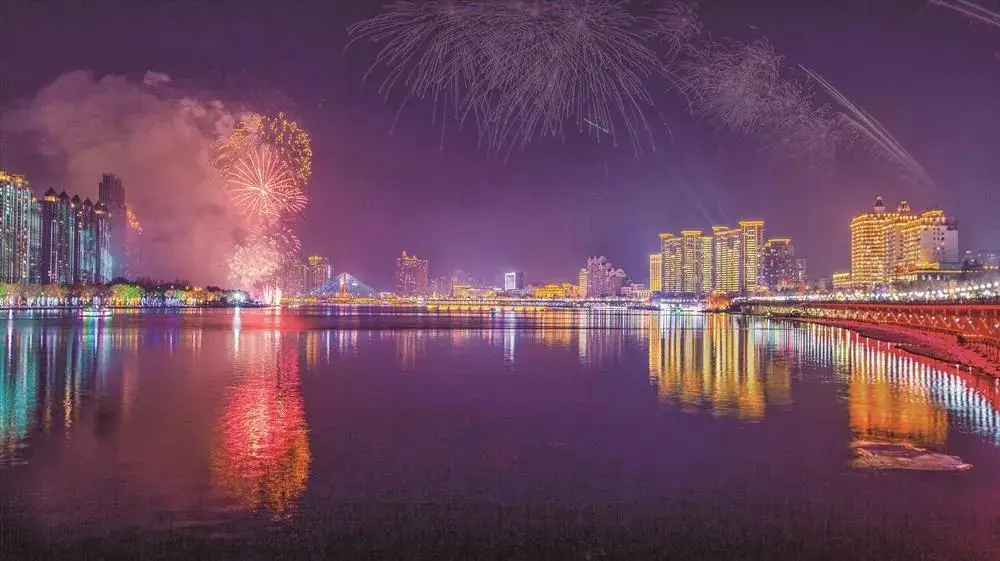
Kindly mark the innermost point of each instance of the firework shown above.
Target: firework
(285, 139)
(971, 10)
(254, 264)
(278, 235)
(521, 69)
(262, 186)
(862, 125)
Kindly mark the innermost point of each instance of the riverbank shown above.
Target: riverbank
(936, 346)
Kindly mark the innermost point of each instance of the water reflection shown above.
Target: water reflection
(712, 361)
(261, 453)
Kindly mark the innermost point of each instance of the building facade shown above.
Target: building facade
(513, 281)
(728, 254)
(655, 272)
(111, 193)
(318, 271)
(411, 276)
(752, 238)
(20, 234)
(778, 268)
(603, 279)
(889, 247)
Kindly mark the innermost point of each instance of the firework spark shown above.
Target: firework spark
(971, 10)
(521, 69)
(862, 124)
(283, 137)
(253, 264)
(278, 235)
(262, 186)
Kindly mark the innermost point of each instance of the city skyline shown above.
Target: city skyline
(434, 191)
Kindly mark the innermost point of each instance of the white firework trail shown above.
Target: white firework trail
(971, 10)
(862, 123)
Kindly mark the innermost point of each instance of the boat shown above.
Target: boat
(95, 312)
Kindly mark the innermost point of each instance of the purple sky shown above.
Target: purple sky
(929, 75)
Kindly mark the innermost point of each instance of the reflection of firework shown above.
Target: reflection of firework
(262, 186)
(262, 453)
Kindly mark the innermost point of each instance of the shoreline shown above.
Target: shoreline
(940, 347)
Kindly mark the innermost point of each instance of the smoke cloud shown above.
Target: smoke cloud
(160, 144)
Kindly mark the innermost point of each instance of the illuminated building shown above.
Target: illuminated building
(411, 276)
(877, 244)
(929, 242)
(603, 279)
(19, 230)
(673, 258)
(707, 256)
(987, 259)
(728, 250)
(318, 272)
(58, 233)
(102, 234)
(655, 272)
(752, 237)
(553, 291)
(583, 280)
(84, 242)
(841, 281)
(801, 271)
(443, 286)
(513, 281)
(111, 194)
(778, 268)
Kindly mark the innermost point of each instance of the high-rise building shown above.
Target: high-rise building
(728, 252)
(101, 224)
(603, 280)
(317, 272)
(19, 229)
(801, 271)
(690, 261)
(513, 281)
(777, 264)
(411, 276)
(672, 249)
(58, 239)
(655, 272)
(112, 194)
(584, 281)
(752, 234)
(707, 256)
(84, 242)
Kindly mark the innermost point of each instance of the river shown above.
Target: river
(552, 435)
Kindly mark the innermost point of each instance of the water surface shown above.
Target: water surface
(556, 434)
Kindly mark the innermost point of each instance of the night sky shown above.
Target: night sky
(928, 74)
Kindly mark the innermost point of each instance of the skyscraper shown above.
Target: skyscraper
(728, 253)
(19, 229)
(777, 264)
(930, 241)
(603, 280)
(84, 242)
(58, 239)
(104, 268)
(672, 248)
(112, 194)
(513, 281)
(584, 281)
(752, 237)
(656, 272)
(318, 270)
(411, 276)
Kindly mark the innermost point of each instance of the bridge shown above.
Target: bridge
(496, 304)
(967, 317)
